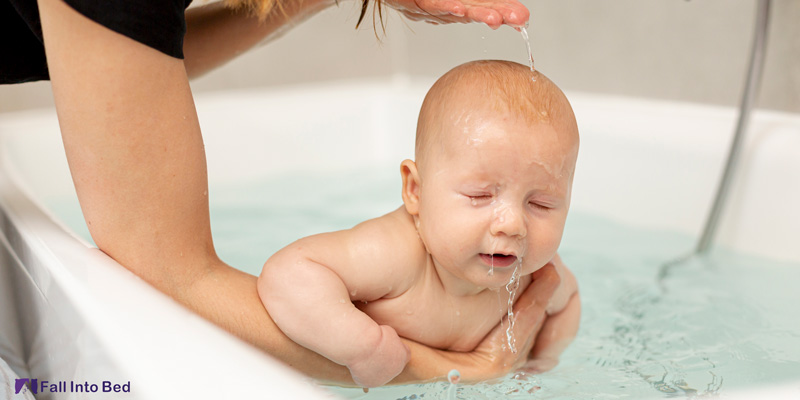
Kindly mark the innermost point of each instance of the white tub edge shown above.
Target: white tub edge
(114, 311)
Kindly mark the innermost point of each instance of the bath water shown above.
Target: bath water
(729, 321)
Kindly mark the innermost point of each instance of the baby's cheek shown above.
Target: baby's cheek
(543, 247)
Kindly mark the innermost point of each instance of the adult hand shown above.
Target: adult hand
(493, 13)
(493, 354)
(492, 358)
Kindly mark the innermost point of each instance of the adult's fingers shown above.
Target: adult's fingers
(493, 13)
(514, 14)
(529, 311)
(488, 16)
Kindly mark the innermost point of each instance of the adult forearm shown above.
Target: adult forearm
(225, 289)
(429, 364)
(216, 34)
(136, 155)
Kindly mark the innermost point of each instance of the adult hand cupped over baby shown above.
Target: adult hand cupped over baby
(493, 13)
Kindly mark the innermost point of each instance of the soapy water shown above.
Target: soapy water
(721, 323)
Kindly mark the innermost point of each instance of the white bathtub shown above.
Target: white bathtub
(68, 312)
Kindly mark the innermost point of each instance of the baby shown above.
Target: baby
(484, 203)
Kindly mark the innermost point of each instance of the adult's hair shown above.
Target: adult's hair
(261, 8)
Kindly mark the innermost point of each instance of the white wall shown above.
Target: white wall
(670, 49)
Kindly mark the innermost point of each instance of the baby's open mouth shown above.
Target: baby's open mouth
(498, 260)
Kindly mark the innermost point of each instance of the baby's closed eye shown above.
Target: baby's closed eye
(478, 199)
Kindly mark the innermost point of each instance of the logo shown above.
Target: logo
(35, 386)
(20, 383)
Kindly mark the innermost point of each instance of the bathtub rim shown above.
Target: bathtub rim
(114, 316)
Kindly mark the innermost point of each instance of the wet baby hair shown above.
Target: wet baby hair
(497, 86)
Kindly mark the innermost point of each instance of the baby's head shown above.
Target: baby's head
(491, 184)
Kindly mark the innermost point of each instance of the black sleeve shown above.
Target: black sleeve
(21, 50)
(159, 24)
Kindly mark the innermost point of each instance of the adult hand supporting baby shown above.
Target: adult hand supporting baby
(491, 358)
(493, 13)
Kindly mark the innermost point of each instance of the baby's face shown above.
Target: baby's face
(495, 192)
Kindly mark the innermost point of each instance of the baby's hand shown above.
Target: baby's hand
(385, 362)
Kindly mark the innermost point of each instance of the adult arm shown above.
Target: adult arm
(136, 155)
(216, 34)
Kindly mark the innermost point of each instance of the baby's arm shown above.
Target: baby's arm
(308, 288)
(561, 325)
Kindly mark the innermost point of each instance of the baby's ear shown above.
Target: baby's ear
(411, 186)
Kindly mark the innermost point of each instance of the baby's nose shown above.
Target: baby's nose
(508, 221)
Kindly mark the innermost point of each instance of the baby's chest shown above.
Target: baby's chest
(438, 320)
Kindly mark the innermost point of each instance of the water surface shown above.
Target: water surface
(716, 324)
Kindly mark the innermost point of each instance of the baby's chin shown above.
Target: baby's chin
(494, 279)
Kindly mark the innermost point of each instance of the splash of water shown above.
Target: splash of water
(511, 288)
(453, 377)
(524, 33)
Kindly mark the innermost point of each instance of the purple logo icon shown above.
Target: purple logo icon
(20, 383)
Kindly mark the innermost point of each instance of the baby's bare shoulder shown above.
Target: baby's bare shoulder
(395, 230)
(391, 246)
